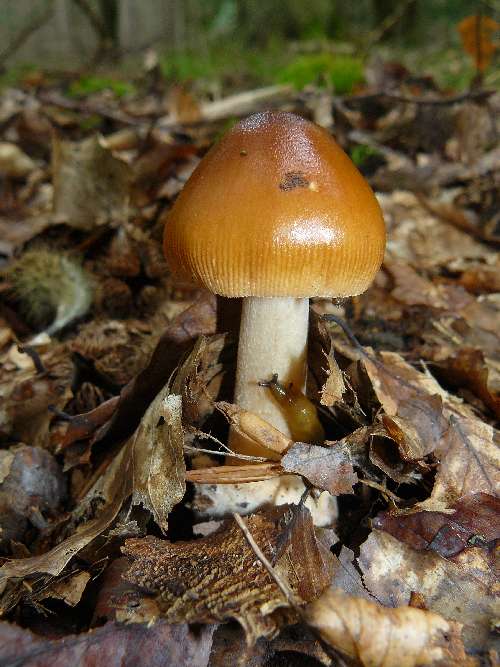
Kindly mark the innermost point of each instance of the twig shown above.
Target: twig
(383, 489)
(330, 650)
(432, 101)
(93, 18)
(237, 474)
(88, 108)
(388, 23)
(25, 33)
(244, 457)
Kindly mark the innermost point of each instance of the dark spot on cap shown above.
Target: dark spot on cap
(292, 180)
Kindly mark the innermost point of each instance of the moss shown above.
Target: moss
(324, 69)
(362, 153)
(88, 85)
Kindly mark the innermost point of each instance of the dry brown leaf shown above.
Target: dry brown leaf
(15, 233)
(412, 289)
(70, 589)
(199, 378)
(327, 468)
(462, 590)
(418, 426)
(91, 185)
(26, 396)
(469, 458)
(158, 457)
(474, 521)
(469, 462)
(179, 336)
(477, 33)
(347, 576)
(219, 577)
(254, 427)
(113, 488)
(113, 645)
(321, 361)
(422, 239)
(375, 636)
(467, 367)
(14, 163)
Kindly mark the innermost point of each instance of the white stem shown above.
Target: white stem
(273, 339)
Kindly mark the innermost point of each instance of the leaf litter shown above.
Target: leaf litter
(112, 427)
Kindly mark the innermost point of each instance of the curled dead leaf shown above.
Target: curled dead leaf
(473, 522)
(476, 33)
(375, 636)
(90, 184)
(254, 427)
(463, 590)
(69, 589)
(327, 468)
(158, 457)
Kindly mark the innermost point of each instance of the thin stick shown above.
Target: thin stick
(330, 650)
(244, 457)
(258, 552)
(25, 33)
(431, 101)
(384, 490)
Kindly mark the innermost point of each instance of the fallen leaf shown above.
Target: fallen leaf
(112, 489)
(327, 468)
(158, 457)
(412, 289)
(179, 336)
(256, 429)
(467, 367)
(474, 522)
(219, 577)
(322, 362)
(476, 33)
(113, 645)
(27, 395)
(370, 634)
(462, 590)
(91, 185)
(69, 590)
(469, 462)
(13, 162)
(418, 426)
(347, 576)
(83, 426)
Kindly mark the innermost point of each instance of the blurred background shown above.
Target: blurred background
(229, 45)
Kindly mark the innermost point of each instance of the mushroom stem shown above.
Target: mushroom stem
(273, 339)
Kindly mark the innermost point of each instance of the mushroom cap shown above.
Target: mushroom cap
(276, 209)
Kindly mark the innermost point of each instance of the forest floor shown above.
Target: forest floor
(114, 376)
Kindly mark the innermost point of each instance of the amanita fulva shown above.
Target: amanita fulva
(275, 213)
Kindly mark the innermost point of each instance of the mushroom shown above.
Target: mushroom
(275, 213)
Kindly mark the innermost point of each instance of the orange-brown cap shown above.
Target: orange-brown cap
(276, 208)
